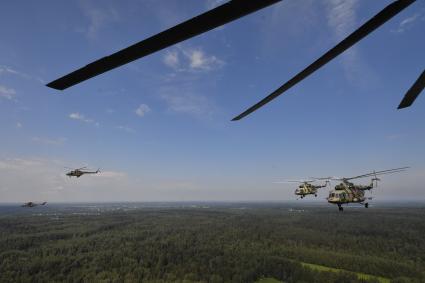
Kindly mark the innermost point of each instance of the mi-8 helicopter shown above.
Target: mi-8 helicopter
(306, 187)
(80, 172)
(32, 204)
(347, 192)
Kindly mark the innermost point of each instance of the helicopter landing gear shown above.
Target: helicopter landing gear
(366, 205)
(340, 207)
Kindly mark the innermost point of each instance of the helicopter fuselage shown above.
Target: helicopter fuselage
(32, 204)
(347, 192)
(306, 189)
(78, 173)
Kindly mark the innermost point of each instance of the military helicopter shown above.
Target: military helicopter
(33, 204)
(305, 187)
(347, 192)
(80, 172)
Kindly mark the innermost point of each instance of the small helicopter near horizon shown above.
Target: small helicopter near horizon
(80, 172)
(306, 187)
(33, 204)
(348, 192)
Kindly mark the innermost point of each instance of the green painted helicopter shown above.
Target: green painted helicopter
(305, 187)
(348, 192)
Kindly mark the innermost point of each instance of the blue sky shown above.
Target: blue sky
(159, 128)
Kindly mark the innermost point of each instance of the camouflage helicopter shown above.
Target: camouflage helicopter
(305, 187)
(347, 192)
(32, 204)
(80, 172)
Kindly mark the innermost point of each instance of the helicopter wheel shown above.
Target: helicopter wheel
(340, 208)
(366, 205)
(315, 195)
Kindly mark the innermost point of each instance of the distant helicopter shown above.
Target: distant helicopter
(347, 192)
(32, 204)
(306, 187)
(80, 172)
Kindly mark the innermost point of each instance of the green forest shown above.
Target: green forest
(213, 243)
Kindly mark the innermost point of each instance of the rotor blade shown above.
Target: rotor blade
(383, 172)
(216, 17)
(413, 92)
(375, 22)
(298, 181)
(322, 178)
(373, 175)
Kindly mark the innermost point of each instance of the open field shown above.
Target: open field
(219, 242)
(359, 274)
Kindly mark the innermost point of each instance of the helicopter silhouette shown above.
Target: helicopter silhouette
(33, 204)
(80, 172)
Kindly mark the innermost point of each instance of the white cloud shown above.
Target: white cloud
(48, 141)
(171, 59)
(187, 102)
(211, 4)
(192, 60)
(342, 16)
(126, 129)
(7, 93)
(142, 110)
(111, 175)
(342, 19)
(7, 70)
(198, 60)
(82, 118)
(18, 163)
(11, 71)
(98, 18)
(406, 23)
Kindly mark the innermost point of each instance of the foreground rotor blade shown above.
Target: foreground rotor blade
(216, 17)
(413, 92)
(375, 22)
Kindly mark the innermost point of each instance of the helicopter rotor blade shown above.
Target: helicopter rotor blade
(376, 21)
(297, 181)
(209, 20)
(413, 92)
(376, 173)
(322, 178)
